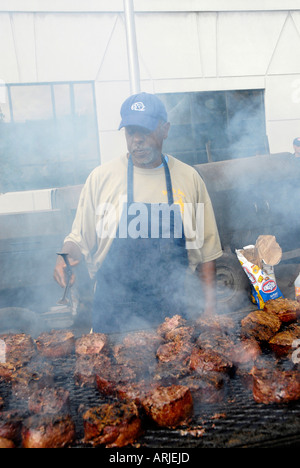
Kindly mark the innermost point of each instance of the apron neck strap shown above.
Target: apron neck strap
(130, 180)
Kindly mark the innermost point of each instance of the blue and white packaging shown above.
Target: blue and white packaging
(262, 280)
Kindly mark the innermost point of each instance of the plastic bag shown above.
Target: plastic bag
(262, 279)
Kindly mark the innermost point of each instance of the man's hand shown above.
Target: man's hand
(60, 271)
(74, 256)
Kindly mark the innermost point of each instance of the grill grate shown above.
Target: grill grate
(236, 422)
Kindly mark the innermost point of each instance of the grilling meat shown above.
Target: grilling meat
(271, 385)
(49, 401)
(19, 348)
(207, 360)
(36, 375)
(282, 342)
(169, 406)
(245, 351)
(114, 424)
(137, 352)
(6, 443)
(85, 373)
(158, 374)
(135, 391)
(216, 340)
(11, 423)
(174, 351)
(109, 378)
(6, 372)
(56, 343)
(287, 310)
(92, 343)
(180, 334)
(147, 339)
(216, 322)
(170, 323)
(168, 373)
(48, 431)
(205, 390)
(260, 325)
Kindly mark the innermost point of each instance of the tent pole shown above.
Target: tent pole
(133, 61)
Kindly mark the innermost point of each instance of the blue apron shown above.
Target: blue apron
(141, 280)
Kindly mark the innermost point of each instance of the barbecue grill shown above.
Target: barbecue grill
(236, 422)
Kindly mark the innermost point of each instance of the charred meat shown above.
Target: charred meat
(19, 348)
(11, 423)
(90, 344)
(206, 388)
(282, 342)
(48, 431)
(56, 343)
(114, 424)
(49, 401)
(260, 325)
(6, 443)
(36, 375)
(203, 360)
(169, 406)
(170, 324)
(108, 379)
(271, 385)
(287, 310)
(85, 373)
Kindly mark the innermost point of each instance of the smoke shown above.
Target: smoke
(45, 143)
(251, 194)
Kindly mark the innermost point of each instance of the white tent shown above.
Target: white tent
(183, 46)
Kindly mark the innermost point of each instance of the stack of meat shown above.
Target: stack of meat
(275, 378)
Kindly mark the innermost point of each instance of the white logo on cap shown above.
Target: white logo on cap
(138, 106)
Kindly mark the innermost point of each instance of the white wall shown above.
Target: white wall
(210, 45)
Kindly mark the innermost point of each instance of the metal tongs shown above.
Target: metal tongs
(64, 300)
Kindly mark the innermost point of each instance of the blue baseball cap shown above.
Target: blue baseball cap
(296, 141)
(143, 110)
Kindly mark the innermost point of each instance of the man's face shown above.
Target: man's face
(145, 146)
(297, 151)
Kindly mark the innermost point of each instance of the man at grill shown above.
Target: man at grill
(146, 228)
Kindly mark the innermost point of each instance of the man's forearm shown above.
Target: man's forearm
(207, 275)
